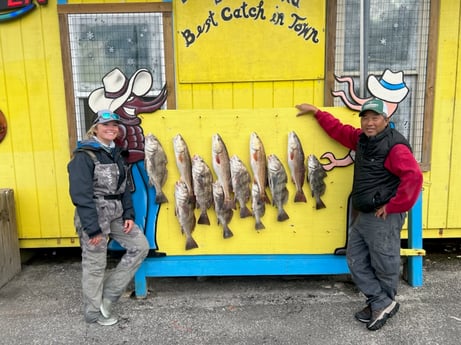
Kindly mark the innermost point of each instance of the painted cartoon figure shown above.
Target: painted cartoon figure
(390, 88)
(3, 126)
(127, 99)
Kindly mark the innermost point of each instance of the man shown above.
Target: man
(387, 182)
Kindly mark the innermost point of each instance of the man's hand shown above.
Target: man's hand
(305, 108)
(381, 212)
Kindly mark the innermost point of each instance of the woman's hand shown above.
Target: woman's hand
(128, 226)
(96, 240)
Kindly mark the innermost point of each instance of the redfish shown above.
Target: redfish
(258, 165)
(296, 164)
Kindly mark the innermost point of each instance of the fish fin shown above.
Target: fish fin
(227, 233)
(319, 204)
(160, 198)
(192, 199)
(300, 197)
(282, 215)
(190, 243)
(203, 219)
(259, 226)
(245, 212)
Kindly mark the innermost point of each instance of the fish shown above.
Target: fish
(296, 164)
(259, 207)
(224, 214)
(184, 211)
(202, 182)
(241, 180)
(184, 164)
(221, 166)
(258, 165)
(155, 162)
(315, 177)
(277, 178)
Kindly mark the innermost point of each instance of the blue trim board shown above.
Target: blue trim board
(415, 240)
(238, 265)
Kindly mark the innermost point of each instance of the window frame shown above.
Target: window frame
(331, 22)
(64, 10)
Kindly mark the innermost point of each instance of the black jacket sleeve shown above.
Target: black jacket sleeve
(80, 170)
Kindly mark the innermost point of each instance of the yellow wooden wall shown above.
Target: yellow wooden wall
(34, 154)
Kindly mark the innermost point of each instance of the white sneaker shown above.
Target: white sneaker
(106, 308)
(106, 321)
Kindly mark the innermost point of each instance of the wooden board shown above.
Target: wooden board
(10, 260)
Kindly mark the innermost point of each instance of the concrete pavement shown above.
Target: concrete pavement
(42, 305)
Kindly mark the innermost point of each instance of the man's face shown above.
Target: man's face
(372, 123)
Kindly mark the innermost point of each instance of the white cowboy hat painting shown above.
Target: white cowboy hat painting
(390, 87)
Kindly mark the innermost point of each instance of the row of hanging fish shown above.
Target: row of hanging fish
(196, 188)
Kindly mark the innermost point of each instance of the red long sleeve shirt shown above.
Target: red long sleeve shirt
(400, 162)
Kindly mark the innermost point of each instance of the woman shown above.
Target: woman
(97, 180)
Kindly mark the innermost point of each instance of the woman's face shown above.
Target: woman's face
(107, 132)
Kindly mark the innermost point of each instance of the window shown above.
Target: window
(397, 37)
(98, 38)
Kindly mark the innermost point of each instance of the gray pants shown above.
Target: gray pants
(95, 283)
(373, 256)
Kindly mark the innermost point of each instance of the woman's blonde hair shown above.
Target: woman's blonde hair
(91, 132)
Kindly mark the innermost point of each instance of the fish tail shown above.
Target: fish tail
(161, 198)
(300, 196)
(265, 198)
(227, 233)
(203, 219)
(282, 215)
(259, 225)
(190, 243)
(229, 204)
(245, 212)
(319, 203)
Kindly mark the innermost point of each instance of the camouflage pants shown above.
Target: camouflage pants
(96, 282)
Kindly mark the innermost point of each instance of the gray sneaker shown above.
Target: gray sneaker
(106, 308)
(364, 315)
(380, 316)
(106, 321)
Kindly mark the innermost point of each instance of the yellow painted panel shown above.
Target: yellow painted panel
(19, 131)
(307, 231)
(242, 95)
(283, 94)
(40, 126)
(222, 96)
(303, 92)
(184, 96)
(454, 202)
(263, 94)
(443, 110)
(202, 96)
(252, 40)
(58, 130)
